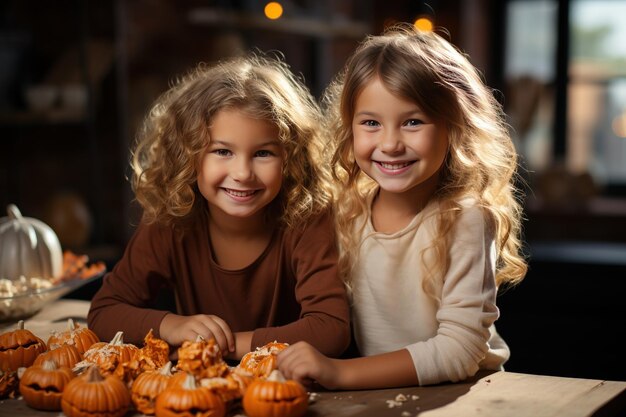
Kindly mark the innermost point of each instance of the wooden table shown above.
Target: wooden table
(499, 394)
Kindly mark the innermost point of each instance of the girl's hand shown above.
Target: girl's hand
(176, 329)
(305, 364)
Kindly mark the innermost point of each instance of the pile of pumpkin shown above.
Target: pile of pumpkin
(77, 373)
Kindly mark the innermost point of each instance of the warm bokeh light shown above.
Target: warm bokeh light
(424, 24)
(619, 125)
(273, 10)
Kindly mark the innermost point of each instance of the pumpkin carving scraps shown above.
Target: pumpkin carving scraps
(230, 387)
(202, 359)
(9, 384)
(152, 356)
(77, 267)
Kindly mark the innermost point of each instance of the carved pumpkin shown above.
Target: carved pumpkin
(147, 386)
(91, 394)
(28, 247)
(262, 361)
(81, 337)
(42, 385)
(107, 355)
(275, 396)
(19, 348)
(189, 399)
(63, 355)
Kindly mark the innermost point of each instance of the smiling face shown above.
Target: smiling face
(395, 142)
(241, 171)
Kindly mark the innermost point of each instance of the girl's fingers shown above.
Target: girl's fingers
(285, 364)
(301, 373)
(292, 351)
(230, 338)
(217, 333)
(298, 361)
(206, 326)
(286, 358)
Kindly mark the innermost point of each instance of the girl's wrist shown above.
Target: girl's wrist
(344, 373)
(243, 342)
(163, 327)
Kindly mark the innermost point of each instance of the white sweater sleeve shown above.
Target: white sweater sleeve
(468, 306)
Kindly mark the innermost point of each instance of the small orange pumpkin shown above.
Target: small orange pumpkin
(275, 396)
(147, 386)
(262, 361)
(19, 348)
(107, 355)
(91, 394)
(189, 399)
(63, 355)
(81, 337)
(42, 385)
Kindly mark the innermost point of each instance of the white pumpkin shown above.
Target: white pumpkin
(28, 247)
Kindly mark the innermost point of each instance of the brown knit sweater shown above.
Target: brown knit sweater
(291, 292)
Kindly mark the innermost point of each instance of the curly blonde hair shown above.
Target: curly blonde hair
(481, 162)
(176, 133)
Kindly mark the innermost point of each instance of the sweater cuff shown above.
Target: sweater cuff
(427, 372)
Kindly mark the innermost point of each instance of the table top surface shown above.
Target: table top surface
(498, 394)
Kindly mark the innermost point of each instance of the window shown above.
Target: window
(596, 139)
(530, 59)
(565, 75)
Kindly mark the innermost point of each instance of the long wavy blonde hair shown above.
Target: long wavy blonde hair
(481, 162)
(176, 133)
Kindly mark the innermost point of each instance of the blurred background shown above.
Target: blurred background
(77, 78)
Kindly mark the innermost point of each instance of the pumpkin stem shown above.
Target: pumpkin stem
(118, 339)
(49, 365)
(190, 382)
(276, 376)
(92, 374)
(20, 325)
(71, 325)
(14, 212)
(166, 369)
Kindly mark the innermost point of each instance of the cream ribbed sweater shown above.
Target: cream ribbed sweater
(448, 341)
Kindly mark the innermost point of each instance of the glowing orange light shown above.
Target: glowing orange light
(273, 10)
(619, 125)
(424, 24)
